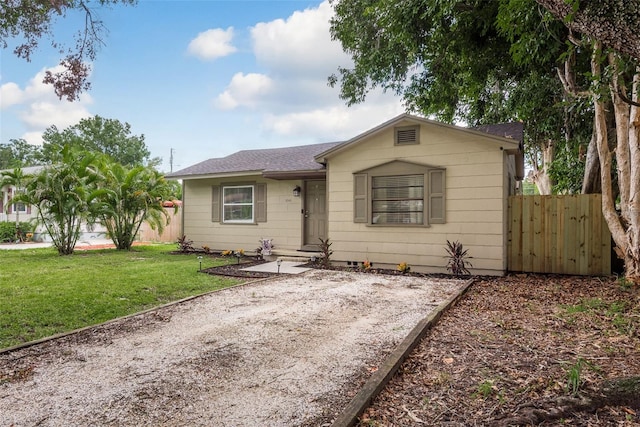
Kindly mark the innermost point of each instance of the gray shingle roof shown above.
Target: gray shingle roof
(514, 130)
(300, 158)
(288, 159)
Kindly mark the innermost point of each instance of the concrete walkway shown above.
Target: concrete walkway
(82, 244)
(286, 267)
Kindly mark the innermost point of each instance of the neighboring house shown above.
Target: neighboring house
(8, 211)
(26, 213)
(393, 194)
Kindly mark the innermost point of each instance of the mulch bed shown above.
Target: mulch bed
(510, 352)
(236, 270)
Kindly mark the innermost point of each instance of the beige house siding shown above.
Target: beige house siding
(476, 201)
(283, 216)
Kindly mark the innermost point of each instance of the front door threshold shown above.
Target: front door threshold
(309, 248)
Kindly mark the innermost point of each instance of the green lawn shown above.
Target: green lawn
(42, 293)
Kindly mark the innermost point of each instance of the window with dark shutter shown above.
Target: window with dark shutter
(261, 203)
(239, 204)
(436, 197)
(215, 203)
(399, 193)
(360, 198)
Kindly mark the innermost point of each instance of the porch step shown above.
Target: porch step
(299, 259)
(292, 255)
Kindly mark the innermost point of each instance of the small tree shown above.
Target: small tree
(17, 179)
(64, 195)
(97, 134)
(129, 198)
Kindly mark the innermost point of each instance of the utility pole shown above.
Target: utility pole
(171, 160)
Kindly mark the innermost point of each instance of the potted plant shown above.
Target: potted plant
(266, 246)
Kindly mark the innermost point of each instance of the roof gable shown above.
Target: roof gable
(507, 133)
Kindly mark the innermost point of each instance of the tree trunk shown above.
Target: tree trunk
(591, 179)
(540, 174)
(624, 226)
(633, 211)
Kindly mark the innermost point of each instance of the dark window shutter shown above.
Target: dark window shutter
(360, 198)
(436, 197)
(261, 203)
(215, 203)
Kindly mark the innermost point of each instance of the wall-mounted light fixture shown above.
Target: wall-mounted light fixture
(296, 191)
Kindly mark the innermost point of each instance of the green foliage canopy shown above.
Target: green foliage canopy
(131, 197)
(100, 135)
(19, 153)
(63, 194)
(473, 61)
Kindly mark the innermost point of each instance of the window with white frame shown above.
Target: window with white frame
(237, 203)
(19, 208)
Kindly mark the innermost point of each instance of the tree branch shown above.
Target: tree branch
(616, 26)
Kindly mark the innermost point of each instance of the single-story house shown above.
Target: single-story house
(393, 194)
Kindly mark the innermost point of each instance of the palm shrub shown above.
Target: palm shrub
(18, 179)
(458, 259)
(130, 197)
(64, 195)
(325, 248)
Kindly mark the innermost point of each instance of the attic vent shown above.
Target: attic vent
(407, 135)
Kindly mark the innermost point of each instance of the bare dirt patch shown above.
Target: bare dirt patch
(280, 352)
(507, 353)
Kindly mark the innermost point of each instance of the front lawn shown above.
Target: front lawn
(45, 294)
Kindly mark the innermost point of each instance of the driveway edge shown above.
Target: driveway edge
(117, 319)
(388, 368)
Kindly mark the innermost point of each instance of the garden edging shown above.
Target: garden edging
(388, 368)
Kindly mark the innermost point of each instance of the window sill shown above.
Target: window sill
(400, 225)
(238, 223)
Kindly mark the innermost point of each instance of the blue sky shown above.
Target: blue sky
(204, 78)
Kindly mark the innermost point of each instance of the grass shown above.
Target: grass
(44, 294)
(616, 311)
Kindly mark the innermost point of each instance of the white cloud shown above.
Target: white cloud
(10, 94)
(244, 90)
(33, 138)
(42, 114)
(291, 96)
(212, 44)
(298, 55)
(38, 107)
(333, 123)
(301, 43)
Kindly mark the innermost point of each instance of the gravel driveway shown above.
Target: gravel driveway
(286, 351)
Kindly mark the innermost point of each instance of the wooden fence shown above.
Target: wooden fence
(171, 232)
(558, 234)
